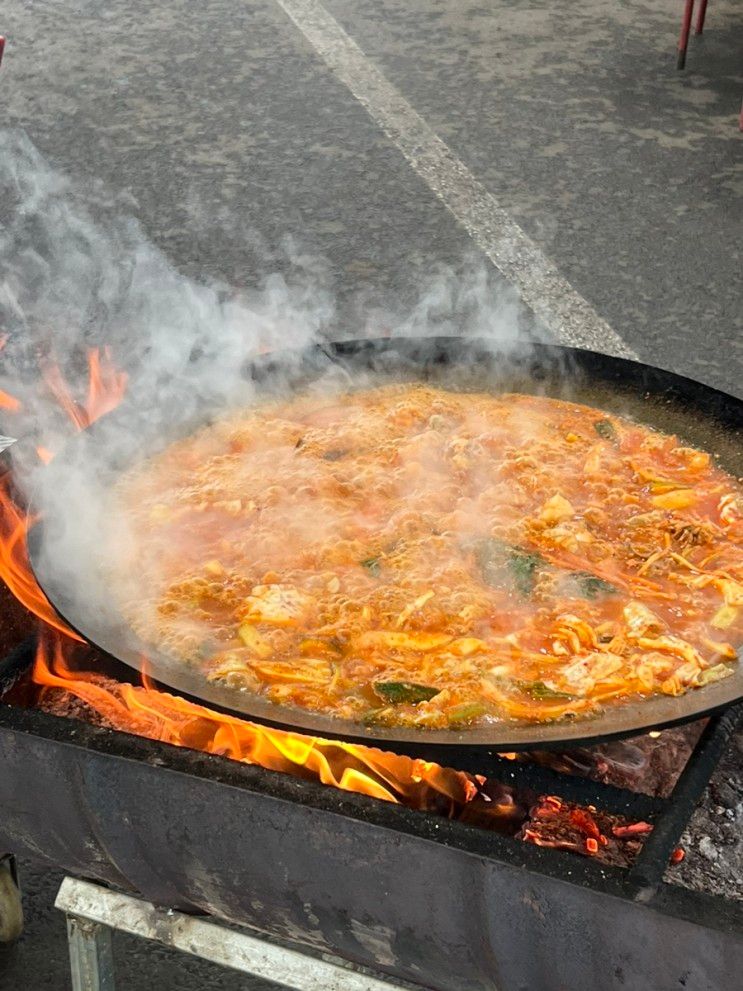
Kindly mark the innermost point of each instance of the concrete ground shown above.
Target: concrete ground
(229, 132)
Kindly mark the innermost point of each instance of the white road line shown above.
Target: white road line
(563, 310)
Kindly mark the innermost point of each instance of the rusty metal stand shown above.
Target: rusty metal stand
(94, 913)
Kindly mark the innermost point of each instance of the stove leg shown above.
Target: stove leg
(11, 909)
(684, 37)
(91, 955)
(700, 18)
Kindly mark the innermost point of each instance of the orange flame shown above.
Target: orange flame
(8, 402)
(159, 715)
(106, 388)
(15, 569)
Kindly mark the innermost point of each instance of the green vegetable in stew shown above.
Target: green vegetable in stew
(588, 586)
(503, 565)
(401, 692)
(538, 690)
(372, 565)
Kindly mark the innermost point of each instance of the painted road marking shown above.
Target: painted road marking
(554, 301)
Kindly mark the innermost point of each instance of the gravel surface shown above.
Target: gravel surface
(714, 839)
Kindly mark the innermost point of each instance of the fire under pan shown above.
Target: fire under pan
(418, 897)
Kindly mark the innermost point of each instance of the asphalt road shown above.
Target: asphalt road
(220, 128)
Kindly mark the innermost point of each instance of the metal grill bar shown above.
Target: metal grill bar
(543, 780)
(652, 861)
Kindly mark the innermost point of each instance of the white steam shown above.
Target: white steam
(76, 272)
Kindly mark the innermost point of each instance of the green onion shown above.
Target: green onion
(538, 690)
(401, 692)
(372, 565)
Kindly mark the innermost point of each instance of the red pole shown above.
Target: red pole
(2, 48)
(684, 36)
(700, 18)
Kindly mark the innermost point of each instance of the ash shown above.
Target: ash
(713, 840)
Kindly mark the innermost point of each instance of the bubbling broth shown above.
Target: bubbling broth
(406, 555)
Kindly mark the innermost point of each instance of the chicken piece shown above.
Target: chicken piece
(278, 605)
(730, 509)
(233, 668)
(641, 620)
(683, 678)
(693, 460)
(651, 667)
(585, 670)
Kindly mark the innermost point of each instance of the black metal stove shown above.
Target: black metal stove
(438, 902)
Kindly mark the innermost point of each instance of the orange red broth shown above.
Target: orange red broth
(408, 555)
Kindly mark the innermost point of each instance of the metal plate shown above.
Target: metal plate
(699, 415)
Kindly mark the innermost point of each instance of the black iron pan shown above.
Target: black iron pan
(700, 415)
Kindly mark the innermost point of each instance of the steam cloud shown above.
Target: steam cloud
(77, 271)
